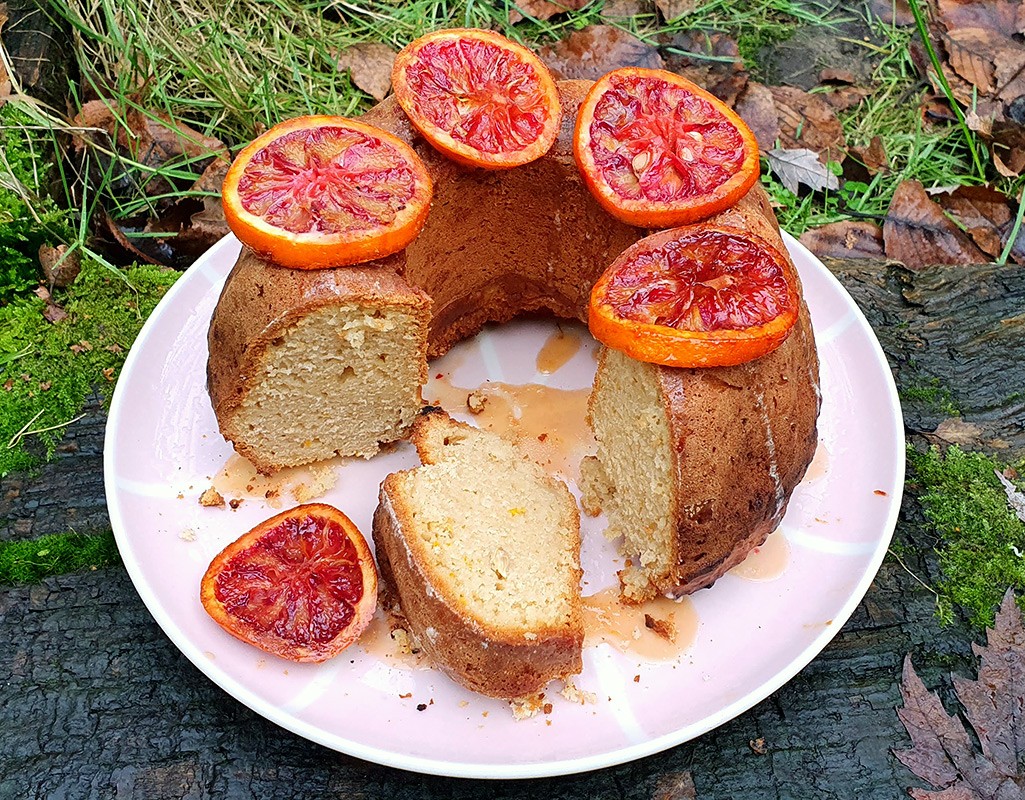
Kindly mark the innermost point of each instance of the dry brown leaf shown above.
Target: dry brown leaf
(1008, 148)
(52, 312)
(369, 65)
(542, 9)
(941, 751)
(675, 786)
(1009, 71)
(619, 9)
(845, 97)
(700, 56)
(1006, 17)
(847, 239)
(5, 79)
(757, 108)
(808, 121)
(674, 9)
(918, 233)
(873, 157)
(955, 430)
(60, 267)
(983, 212)
(591, 52)
(970, 52)
(152, 139)
(830, 75)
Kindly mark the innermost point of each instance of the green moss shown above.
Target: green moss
(981, 545)
(933, 395)
(31, 560)
(48, 370)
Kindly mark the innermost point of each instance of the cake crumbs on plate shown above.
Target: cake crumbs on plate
(576, 695)
(529, 706)
(187, 535)
(211, 498)
(322, 480)
(476, 400)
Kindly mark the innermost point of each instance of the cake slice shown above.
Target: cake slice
(695, 467)
(482, 548)
(308, 364)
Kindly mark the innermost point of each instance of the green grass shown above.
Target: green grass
(981, 543)
(31, 560)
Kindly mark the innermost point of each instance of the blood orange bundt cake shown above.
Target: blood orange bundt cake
(307, 364)
(488, 571)
(723, 446)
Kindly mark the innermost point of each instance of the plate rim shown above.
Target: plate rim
(476, 770)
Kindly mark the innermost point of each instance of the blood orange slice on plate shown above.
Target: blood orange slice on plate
(321, 191)
(477, 97)
(697, 296)
(658, 151)
(301, 585)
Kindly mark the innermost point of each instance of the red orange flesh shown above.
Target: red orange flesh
(301, 585)
(321, 191)
(658, 151)
(696, 296)
(478, 97)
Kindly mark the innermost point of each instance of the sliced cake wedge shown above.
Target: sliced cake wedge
(482, 548)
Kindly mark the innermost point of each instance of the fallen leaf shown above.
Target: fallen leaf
(757, 108)
(808, 121)
(152, 139)
(847, 239)
(843, 98)
(60, 267)
(1015, 497)
(970, 53)
(1009, 71)
(51, 311)
(955, 430)
(831, 75)
(1006, 17)
(674, 9)
(801, 166)
(708, 58)
(941, 751)
(5, 78)
(983, 212)
(1007, 148)
(873, 157)
(592, 51)
(675, 786)
(619, 9)
(369, 65)
(918, 233)
(542, 9)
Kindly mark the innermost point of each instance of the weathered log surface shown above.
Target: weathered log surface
(99, 704)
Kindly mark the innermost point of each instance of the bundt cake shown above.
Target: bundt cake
(728, 444)
(308, 364)
(488, 571)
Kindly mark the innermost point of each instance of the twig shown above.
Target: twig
(25, 432)
(900, 561)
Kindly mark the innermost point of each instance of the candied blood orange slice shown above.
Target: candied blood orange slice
(316, 192)
(479, 98)
(697, 296)
(658, 151)
(301, 585)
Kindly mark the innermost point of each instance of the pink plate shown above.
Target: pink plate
(756, 628)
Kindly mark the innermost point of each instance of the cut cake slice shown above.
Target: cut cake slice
(483, 550)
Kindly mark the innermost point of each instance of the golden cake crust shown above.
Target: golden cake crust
(260, 302)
